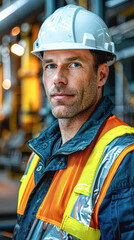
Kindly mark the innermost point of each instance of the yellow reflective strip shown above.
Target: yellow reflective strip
(79, 230)
(85, 182)
(25, 178)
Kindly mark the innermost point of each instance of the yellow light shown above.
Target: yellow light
(6, 84)
(17, 49)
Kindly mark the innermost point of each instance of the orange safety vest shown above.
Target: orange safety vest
(73, 181)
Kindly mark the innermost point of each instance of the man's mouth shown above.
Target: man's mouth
(61, 96)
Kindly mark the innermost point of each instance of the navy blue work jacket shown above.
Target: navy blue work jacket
(116, 213)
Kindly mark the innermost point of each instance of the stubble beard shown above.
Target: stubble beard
(62, 110)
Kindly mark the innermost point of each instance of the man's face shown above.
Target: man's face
(70, 82)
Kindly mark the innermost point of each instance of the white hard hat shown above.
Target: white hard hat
(74, 27)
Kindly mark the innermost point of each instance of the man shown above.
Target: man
(79, 181)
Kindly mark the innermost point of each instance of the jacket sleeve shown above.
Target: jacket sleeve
(116, 213)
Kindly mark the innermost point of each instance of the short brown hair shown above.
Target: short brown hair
(100, 57)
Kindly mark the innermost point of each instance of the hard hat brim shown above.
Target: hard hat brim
(67, 46)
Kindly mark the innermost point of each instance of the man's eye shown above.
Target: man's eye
(75, 64)
(50, 66)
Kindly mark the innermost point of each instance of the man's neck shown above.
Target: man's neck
(69, 127)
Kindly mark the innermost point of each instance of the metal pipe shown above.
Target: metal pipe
(119, 93)
(50, 6)
(97, 6)
(16, 12)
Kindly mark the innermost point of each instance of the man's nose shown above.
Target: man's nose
(60, 77)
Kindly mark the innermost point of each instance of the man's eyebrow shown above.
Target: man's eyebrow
(66, 59)
(47, 60)
(73, 58)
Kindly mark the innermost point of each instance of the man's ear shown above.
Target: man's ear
(103, 71)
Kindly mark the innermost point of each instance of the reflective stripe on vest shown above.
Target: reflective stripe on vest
(27, 185)
(108, 180)
(85, 186)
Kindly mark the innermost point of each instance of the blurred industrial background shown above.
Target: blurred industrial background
(24, 110)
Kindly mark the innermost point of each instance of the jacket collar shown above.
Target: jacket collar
(43, 144)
